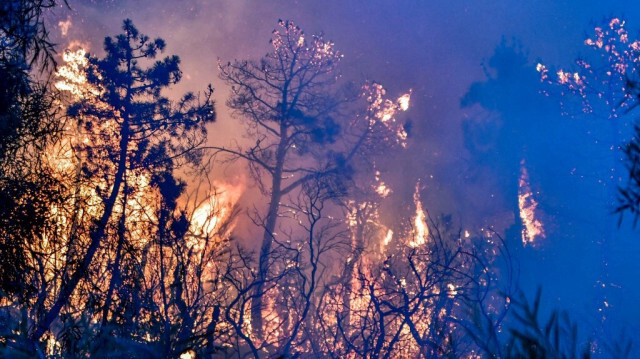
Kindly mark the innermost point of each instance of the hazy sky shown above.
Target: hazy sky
(437, 49)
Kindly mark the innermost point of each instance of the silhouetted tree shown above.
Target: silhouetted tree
(29, 122)
(130, 129)
(293, 111)
(529, 336)
(301, 257)
(287, 100)
(629, 199)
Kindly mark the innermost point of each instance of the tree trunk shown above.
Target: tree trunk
(115, 276)
(96, 236)
(263, 269)
(267, 238)
(357, 248)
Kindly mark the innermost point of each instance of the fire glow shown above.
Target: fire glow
(213, 211)
(420, 227)
(532, 227)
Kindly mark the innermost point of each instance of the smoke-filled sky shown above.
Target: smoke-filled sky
(439, 49)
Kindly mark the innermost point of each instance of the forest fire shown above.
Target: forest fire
(309, 210)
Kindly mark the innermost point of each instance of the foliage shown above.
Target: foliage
(557, 337)
(113, 170)
(29, 122)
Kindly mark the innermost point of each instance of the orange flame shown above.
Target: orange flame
(212, 212)
(531, 226)
(421, 230)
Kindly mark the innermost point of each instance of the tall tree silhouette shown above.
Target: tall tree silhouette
(290, 102)
(29, 122)
(130, 126)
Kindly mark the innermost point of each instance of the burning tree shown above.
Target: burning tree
(506, 121)
(127, 140)
(421, 293)
(127, 268)
(301, 258)
(293, 110)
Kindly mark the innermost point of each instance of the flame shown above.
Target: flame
(383, 110)
(387, 239)
(403, 101)
(421, 230)
(73, 76)
(189, 354)
(207, 217)
(531, 226)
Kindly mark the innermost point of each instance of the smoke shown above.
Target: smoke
(436, 48)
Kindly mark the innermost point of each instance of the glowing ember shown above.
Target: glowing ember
(544, 72)
(64, 26)
(383, 190)
(531, 226)
(421, 230)
(563, 77)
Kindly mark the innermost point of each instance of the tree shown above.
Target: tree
(285, 98)
(556, 337)
(293, 110)
(505, 135)
(29, 122)
(184, 272)
(129, 128)
(420, 297)
(301, 258)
